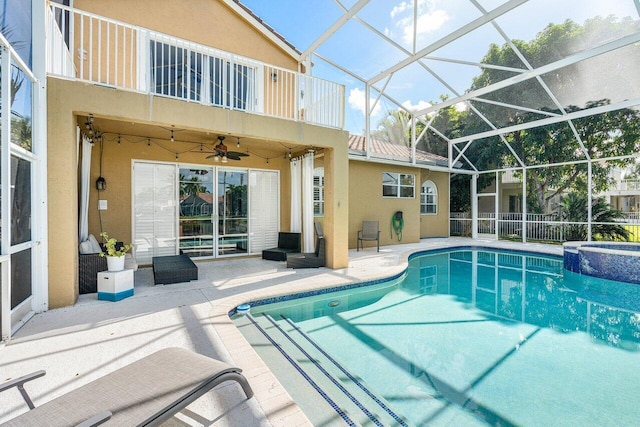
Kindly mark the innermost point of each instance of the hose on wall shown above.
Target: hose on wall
(397, 224)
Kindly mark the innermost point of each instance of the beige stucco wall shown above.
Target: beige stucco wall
(62, 191)
(436, 225)
(67, 100)
(209, 22)
(365, 196)
(367, 204)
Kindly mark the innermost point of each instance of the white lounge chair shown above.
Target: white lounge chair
(144, 393)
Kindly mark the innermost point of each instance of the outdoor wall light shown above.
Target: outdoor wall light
(274, 77)
(101, 184)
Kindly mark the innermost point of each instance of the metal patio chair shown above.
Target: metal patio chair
(370, 232)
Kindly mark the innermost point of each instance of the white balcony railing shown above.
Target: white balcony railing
(100, 50)
(628, 185)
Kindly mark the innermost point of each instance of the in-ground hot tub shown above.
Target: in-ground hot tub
(607, 260)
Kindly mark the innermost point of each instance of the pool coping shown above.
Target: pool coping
(276, 403)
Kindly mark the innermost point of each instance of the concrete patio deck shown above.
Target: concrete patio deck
(78, 344)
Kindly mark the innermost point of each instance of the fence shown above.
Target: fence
(539, 227)
(92, 48)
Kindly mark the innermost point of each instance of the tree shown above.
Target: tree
(191, 187)
(574, 209)
(451, 120)
(395, 128)
(616, 133)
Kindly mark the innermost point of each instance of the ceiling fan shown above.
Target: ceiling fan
(221, 152)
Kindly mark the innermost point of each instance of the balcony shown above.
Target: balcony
(91, 48)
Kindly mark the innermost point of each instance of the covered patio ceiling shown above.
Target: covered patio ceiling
(499, 63)
(195, 141)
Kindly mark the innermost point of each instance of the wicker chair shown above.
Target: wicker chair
(89, 265)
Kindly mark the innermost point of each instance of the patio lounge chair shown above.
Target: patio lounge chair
(370, 232)
(287, 243)
(144, 393)
(310, 259)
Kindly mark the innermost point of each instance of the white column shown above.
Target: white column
(413, 139)
(5, 191)
(589, 200)
(367, 119)
(39, 182)
(497, 204)
(474, 206)
(524, 205)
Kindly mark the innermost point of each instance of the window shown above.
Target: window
(514, 203)
(398, 185)
(210, 77)
(231, 88)
(176, 71)
(318, 192)
(429, 198)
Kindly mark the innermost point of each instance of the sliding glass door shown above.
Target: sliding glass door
(233, 209)
(216, 208)
(197, 211)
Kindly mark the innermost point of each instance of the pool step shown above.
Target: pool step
(345, 393)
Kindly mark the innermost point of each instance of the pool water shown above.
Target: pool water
(474, 337)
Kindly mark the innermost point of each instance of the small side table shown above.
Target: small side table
(115, 285)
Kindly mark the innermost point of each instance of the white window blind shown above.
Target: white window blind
(154, 209)
(264, 203)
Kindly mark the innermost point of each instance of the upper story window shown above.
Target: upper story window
(429, 198)
(318, 192)
(202, 76)
(398, 185)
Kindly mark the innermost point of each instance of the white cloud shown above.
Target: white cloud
(421, 105)
(357, 101)
(461, 106)
(430, 18)
(427, 23)
(400, 8)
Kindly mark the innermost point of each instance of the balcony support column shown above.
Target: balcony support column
(336, 193)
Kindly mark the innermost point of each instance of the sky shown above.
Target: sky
(360, 45)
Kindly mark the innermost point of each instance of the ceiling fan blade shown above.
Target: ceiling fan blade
(232, 156)
(238, 153)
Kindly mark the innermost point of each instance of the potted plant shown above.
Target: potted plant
(115, 252)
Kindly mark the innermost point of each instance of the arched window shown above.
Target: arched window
(429, 198)
(318, 191)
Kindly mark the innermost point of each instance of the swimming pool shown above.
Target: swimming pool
(469, 336)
